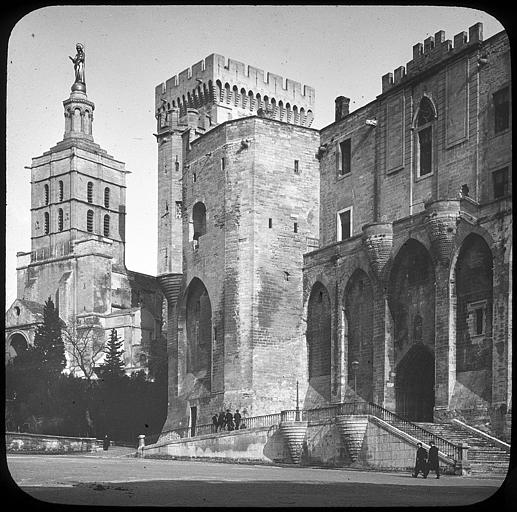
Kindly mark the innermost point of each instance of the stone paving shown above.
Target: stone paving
(116, 478)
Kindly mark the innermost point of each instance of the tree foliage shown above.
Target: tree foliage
(113, 364)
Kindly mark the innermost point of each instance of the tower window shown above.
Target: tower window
(344, 224)
(501, 110)
(295, 227)
(89, 192)
(344, 157)
(107, 197)
(296, 167)
(270, 223)
(424, 137)
(60, 219)
(47, 223)
(106, 225)
(176, 166)
(223, 163)
(425, 150)
(500, 182)
(46, 194)
(60, 191)
(89, 221)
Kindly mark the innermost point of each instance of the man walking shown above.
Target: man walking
(215, 422)
(421, 460)
(432, 460)
(229, 420)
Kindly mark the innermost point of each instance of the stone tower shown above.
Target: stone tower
(78, 210)
(238, 190)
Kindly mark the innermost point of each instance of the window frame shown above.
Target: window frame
(497, 107)
(339, 226)
(341, 173)
(506, 172)
(428, 125)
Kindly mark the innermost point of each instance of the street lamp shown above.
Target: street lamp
(355, 365)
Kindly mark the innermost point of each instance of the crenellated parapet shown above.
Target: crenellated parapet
(236, 87)
(432, 51)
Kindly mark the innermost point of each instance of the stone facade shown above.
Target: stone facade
(370, 260)
(77, 251)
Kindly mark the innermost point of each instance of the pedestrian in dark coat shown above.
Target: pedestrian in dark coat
(215, 422)
(221, 421)
(237, 419)
(229, 420)
(432, 460)
(106, 442)
(421, 461)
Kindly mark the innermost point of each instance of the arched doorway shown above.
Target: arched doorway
(414, 384)
(198, 319)
(17, 345)
(411, 301)
(319, 340)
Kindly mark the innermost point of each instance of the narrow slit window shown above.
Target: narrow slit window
(89, 221)
(344, 157)
(47, 223)
(270, 223)
(344, 224)
(47, 195)
(60, 219)
(61, 190)
(501, 110)
(295, 227)
(107, 197)
(89, 192)
(296, 167)
(106, 225)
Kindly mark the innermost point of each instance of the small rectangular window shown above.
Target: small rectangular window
(500, 182)
(223, 164)
(344, 157)
(296, 167)
(501, 110)
(479, 318)
(194, 177)
(270, 223)
(295, 227)
(344, 224)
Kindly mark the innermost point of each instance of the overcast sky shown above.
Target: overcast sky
(338, 50)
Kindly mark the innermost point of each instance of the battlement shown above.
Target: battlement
(217, 70)
(433, 50)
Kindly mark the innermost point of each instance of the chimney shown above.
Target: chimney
(342, 105)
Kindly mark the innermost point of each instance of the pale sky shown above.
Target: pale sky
(338, 50)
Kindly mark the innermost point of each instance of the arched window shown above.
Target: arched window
(47, 195)
(199, 220)
(89, 192)
(106, 225)
(424, 137)
(107, 197)
(60, 190)
(47, 223)
(89, 221)
(60, 219)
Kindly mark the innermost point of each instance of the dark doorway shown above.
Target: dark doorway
(193, 420)
(414, 384)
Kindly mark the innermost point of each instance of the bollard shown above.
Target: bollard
(141, 444)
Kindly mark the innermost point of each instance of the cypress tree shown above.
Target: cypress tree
(113, 365)
(48, 341)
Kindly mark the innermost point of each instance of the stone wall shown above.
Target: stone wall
(35, 443)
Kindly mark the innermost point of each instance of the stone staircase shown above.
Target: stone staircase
(485, 457)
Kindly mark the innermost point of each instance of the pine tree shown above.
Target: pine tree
(113, 365)
(49, 348)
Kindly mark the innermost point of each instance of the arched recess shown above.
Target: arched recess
(474, 301)
(358, 302)
(17, 345)
(198, 329)
(411, 300)
(319, 339)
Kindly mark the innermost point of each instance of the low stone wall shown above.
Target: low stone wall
(17, 442)
(264, 445)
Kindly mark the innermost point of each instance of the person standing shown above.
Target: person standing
(221, 421)
(421, 460)
(432, 460)
(229, 419)
(237, 419)
(106, 443)
(215, 422)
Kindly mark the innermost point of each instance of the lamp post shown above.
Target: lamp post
(297, 415)
(355, 365)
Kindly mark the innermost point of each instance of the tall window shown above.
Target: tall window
(89, 192)
(47, 223)
(296, 167)
(106, 225)
(501, 110)
(60, 219)
(500, 182)
(424, 132)
(344, 224)
(199, 220)
(47, 195)
(344, 157)
(60, 190)
(89, 221)
(107, 197)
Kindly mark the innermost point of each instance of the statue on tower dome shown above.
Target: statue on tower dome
(80, 83)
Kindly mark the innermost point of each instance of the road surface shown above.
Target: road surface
(113, 478)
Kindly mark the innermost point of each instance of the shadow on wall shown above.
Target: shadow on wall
(324, 446)
(276, 448)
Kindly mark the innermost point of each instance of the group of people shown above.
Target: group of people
(227, 421)
(426, 462)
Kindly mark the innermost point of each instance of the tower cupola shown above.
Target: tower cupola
(78, 108)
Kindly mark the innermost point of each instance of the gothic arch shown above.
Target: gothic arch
(319, 339)
(358, 309)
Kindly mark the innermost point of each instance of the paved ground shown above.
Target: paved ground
(113, 478)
